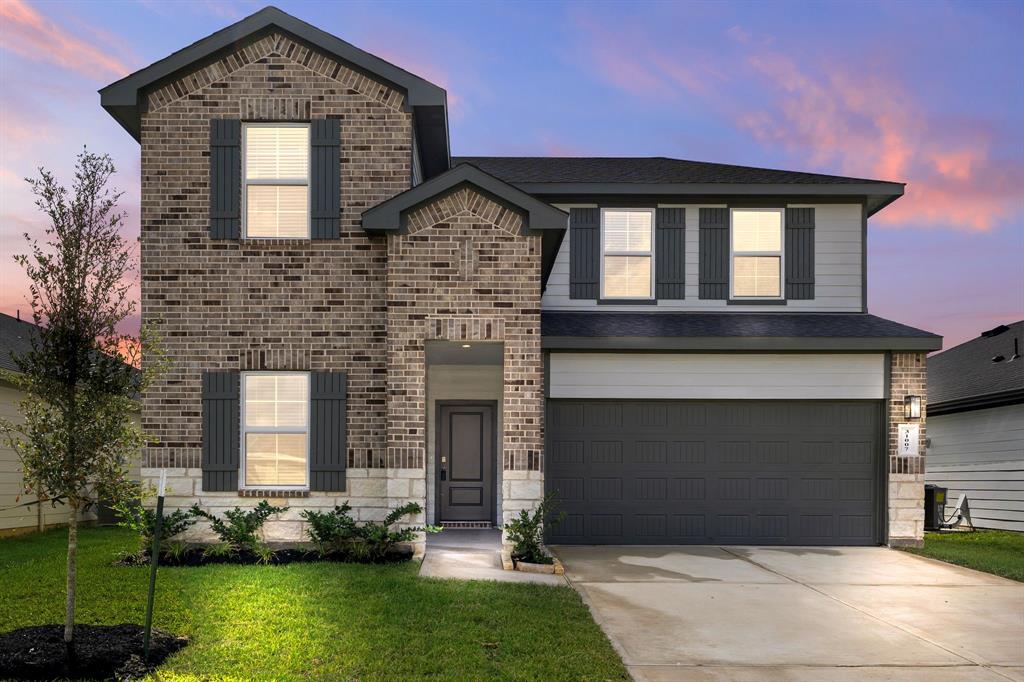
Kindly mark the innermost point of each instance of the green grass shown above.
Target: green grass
(314, 621)
(993, 551)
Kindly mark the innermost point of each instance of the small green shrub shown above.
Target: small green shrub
(132, 515)
(337, 533)
(526, 532)
(238, 529)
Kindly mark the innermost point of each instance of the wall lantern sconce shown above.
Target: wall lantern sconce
(912, 403)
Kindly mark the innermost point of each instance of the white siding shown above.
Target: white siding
(981, 453)
(837, 263)
(725, 376)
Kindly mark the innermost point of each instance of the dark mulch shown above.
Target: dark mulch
(195, 556)
(101, 652)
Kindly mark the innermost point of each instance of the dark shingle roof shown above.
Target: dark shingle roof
(826, 330)
(967, 371)
(14, 339)
(645, 170)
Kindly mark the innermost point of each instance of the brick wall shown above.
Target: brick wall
(463, 272)
(266, 304)
(906, 474)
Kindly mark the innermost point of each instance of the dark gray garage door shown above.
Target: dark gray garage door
(722, 472)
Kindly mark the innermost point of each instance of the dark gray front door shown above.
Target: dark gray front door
(465, 460)
(715, 472)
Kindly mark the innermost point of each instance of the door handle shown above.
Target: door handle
(444, 474)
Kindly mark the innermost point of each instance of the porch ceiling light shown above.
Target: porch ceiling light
(466, 345)
(912, 403)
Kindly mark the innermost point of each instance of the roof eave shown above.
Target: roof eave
(979, 402)
(741, 343)
(889, 190)
(123, 100)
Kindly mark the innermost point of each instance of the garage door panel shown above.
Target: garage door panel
(762, 472)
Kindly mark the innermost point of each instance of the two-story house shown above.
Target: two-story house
(681, 350)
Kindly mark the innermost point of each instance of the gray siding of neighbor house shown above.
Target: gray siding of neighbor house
(981, 453)
(837, 263)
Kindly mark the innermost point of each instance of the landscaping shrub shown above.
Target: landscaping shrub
(526, 532)
(336, 533)
(237, 530)
(135, 517)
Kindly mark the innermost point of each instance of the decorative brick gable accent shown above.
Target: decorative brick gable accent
(432, 294)
(277, 45)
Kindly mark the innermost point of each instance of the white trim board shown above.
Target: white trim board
(718, 376)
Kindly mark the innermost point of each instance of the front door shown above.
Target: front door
(465, 462)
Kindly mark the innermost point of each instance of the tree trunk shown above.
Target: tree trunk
(69, 611)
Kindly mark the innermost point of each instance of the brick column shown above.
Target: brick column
(906, 474)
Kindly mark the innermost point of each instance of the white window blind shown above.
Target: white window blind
(277, 180)
(757, 253)
(627, 237)
(275, 429)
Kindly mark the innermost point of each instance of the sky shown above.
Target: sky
(926, 93)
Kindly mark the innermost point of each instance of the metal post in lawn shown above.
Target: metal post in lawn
(154, 560)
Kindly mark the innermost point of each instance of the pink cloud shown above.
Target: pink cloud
(827, 118)
(29, 34)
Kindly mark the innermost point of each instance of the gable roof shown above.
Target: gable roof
(965, 376)
(661, 175)
(537, 215)
(14, 340)
(730, 331)
(124, 100)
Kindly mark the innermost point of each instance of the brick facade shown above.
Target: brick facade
(906, 474)
(266, 304)
(464, 272)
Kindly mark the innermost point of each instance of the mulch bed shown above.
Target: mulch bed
(101, 652)
(196, 557)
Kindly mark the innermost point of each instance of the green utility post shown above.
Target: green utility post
(154, 560)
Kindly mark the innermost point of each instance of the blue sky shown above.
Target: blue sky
(924, 93)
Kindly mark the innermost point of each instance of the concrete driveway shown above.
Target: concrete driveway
(759, 613)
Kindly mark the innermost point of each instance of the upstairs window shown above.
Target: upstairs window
(275, 429)
(756, 253)
(276, 187)
(627, 256)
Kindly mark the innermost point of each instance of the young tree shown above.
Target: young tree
(77, 432)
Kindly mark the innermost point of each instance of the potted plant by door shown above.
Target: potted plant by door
(526, 534)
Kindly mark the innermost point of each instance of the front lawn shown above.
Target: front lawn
(314, 621)
(993, 551)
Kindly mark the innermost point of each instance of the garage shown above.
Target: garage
(715, 472)
(716, 448)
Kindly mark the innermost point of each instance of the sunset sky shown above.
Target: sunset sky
(930, 94)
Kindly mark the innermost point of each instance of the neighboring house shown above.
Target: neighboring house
(976, 426)
(681, 350)
(15, 517)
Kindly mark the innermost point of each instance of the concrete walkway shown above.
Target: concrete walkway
(472, 554)
(756, 613)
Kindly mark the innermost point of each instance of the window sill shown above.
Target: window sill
(270, 492)
(627, 301)
(756, 301)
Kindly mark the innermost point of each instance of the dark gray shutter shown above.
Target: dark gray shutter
(799, 253)
(584, 252)
(328, 450)
(225, 178)
(220, 430)
(325, 178)
(714, 253)
(670, 253)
